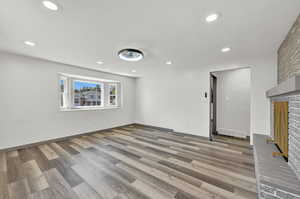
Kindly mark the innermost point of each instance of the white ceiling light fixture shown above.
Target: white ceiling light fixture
(226, 49)
(100, 62)
(50, 5)
(29, 43)
(131, 55)
(212, 17)
(169, 62)
(134, 71)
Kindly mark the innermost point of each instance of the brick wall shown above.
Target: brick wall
(294, 133)
(289, 53)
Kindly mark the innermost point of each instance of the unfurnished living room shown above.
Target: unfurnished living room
(134, 99)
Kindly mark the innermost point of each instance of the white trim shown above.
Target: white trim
(64, 93)
(89, 108)
(69, 94)
(233, 132)
(88, 78)
(116, 94)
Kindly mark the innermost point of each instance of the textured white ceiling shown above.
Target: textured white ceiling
(85, 31)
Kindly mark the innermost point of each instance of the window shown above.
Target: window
(87, 94)
(112, 97)
(63, 92)
(77, 92)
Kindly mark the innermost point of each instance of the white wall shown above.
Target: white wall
(174, 97)
(167, 97)
(29, 102)
(233, 102)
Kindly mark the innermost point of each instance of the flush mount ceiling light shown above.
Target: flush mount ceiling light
(134, 71)
(169, 62)
(131, 54)
(212, 17)
(226, 49)
(50, 5)
(99, 62)
(29, 43)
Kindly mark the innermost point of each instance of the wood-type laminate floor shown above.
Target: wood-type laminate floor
(130, 162)
(232, 140)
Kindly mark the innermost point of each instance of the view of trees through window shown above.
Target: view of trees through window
(62, 88)
(63, 92)
(87, 94)
(112, 95)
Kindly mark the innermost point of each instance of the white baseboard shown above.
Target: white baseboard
(233, 132)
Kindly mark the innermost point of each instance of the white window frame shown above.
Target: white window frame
(86, 81)
(116, 94)
(64, 94)
(69, 94)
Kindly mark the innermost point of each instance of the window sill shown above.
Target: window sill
(88, 109)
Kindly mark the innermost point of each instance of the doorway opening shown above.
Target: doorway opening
(230, 106)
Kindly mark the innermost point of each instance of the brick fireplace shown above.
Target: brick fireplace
(294, 131)
(293, 100)
(277, 178)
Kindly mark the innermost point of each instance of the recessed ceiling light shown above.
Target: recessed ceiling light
(50, 5)
(131, 54)
(169, 62)
(226, 49)
(99, 62)
(134, 71)
(212, 17)
(29, 43)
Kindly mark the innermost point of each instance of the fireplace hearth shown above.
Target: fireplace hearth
(276, 177)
